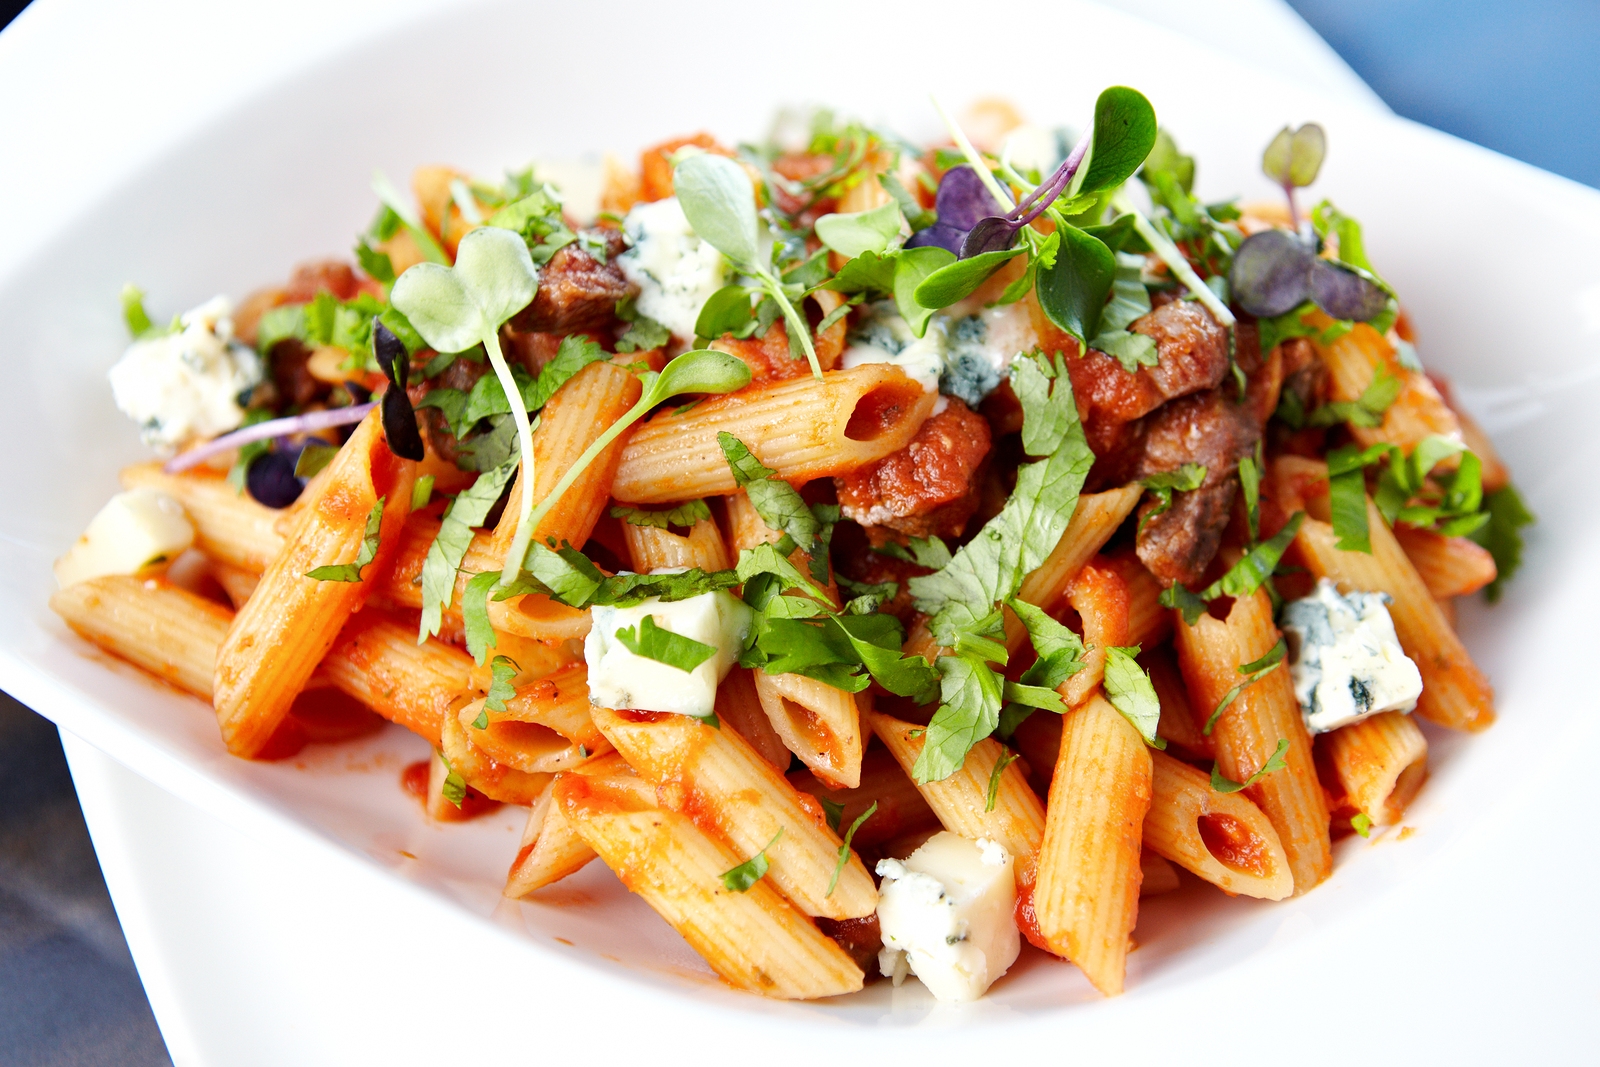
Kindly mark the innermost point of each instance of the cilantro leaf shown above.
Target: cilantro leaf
(664, 646)
(1129, 689)
(1367, 410)
(1255, 566)
(455, 786)
(844, 849)
(1007, 758)
(1250, 471)
(576, 352)
(1347, 494)
(929, 552)
(1253, 671)
(502, 670)
(1185, 479)
(741, 878)
(1178, 596)
(684, 515)
(768, 558)
(1361, 823)
(1222, 784)
(450, 544)
(351, 572)
(1502, 536)
(421, 492)
(990, 567)
(775, 500)
(475, 614)
(643, 333)
(970, 694)
(833, 812)
(1060, 650)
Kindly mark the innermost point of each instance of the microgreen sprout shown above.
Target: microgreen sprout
(1292, 160)
(454, 308)
(391, 199)
(719, 201)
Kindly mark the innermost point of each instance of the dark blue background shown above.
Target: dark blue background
(1522, 79)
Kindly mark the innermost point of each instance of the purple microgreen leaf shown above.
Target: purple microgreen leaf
(1271, 273)
(962, 200)
(261, 431)
(1343, 293)
(992, 234)
(399, 418)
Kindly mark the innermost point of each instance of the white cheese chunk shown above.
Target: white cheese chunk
(946, 913)
(982, 346)
(137, 532)
(883, 336)
(1345, 659)
(619, 678)
(187, 385)
(675, 270)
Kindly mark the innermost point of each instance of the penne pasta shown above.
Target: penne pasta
(1417, 412)
(800, 427)
(754, 939)
(544, 728)
(1095, 519)
(739, 706)
(229, 526)
(714, 776)
(291, 620)
(900, 808)
(961, 801)
(653, 549)
(1380, 763)
(1100, 597)
(1448, 566)
(1177, 726)
(1086, 892)
(1222, 837)
(1249, 730)
(151, 623)
(482, 772)
(1149, 624)
(377, 660)
(551, 849)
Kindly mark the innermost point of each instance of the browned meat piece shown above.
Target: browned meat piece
(768, 357)
(336, 276)
(462, 375)
(577, 293)
(1213, 430)
(1304, 374)
(860, 938)
(929, 487)
(1193, 355)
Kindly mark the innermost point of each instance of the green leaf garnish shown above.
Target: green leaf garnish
(478, 629)
(860, 231)
(351, 572)
(844, 849)
(449, 548)
(751, 871)
(421, 492)
(1253, 671)
(775, 500)
(313, 458)
(664, 646)
(1222, 784)
(1361, 823)
(682, 515)
(502, 670)
(1007, 758)
(1185, 479)
(1129, 689)
(1502, 536)
(455, 786)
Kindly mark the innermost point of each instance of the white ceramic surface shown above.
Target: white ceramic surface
(1470, 937)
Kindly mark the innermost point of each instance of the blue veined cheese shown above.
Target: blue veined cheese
(883, 336)
(946, 915)
(675, 270)
(618, 678)
(139, 532)
(189, 384)
(1345, 659)
(982, 347)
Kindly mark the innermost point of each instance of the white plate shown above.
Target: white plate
(1471, 936)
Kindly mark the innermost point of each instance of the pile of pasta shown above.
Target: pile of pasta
(1093, 815)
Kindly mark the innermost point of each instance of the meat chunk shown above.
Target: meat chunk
(463, 374)
(1192, 355)
(1211, 429)
(929, 487)
(768, 356)
(577, 291)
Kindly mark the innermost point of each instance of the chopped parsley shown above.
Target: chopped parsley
(1253, 671)
(1222, 784)
(351, 572)
(844, 849)
(683, 515)
(739, 879)
(662, 645)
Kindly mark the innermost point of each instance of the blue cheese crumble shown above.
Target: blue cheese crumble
(675, 270)
(1345, 659)
(966, 356)
(882, 336)
(946, 914)
(618, 678)
(189, 384)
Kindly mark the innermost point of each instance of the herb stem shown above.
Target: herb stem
(646, 401)
(977, 161)
(1176, 262)
(792, 314)
(391, 199)
(519, 415)
(261, 431)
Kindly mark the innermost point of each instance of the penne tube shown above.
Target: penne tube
(153, 624)
(573, 419)
(1448, 566)
(1222, 837)
(654, 549)
(1380, 763)
(376, 659)
(237, 582)
(755, 939)
(714, 776)
(1177, 726)
(961, 801)
(551, 849)
(800, 427)
(482, 772)
(440, 808)
(1417, 412)
(1100, 597)
(739, 706)
(229, 526)
(900, 810)
(1149, 624)
(291, 620)
(1095, 519)
(1249, 730)
(544, 728)
(1454, 691)
(1086, 891)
